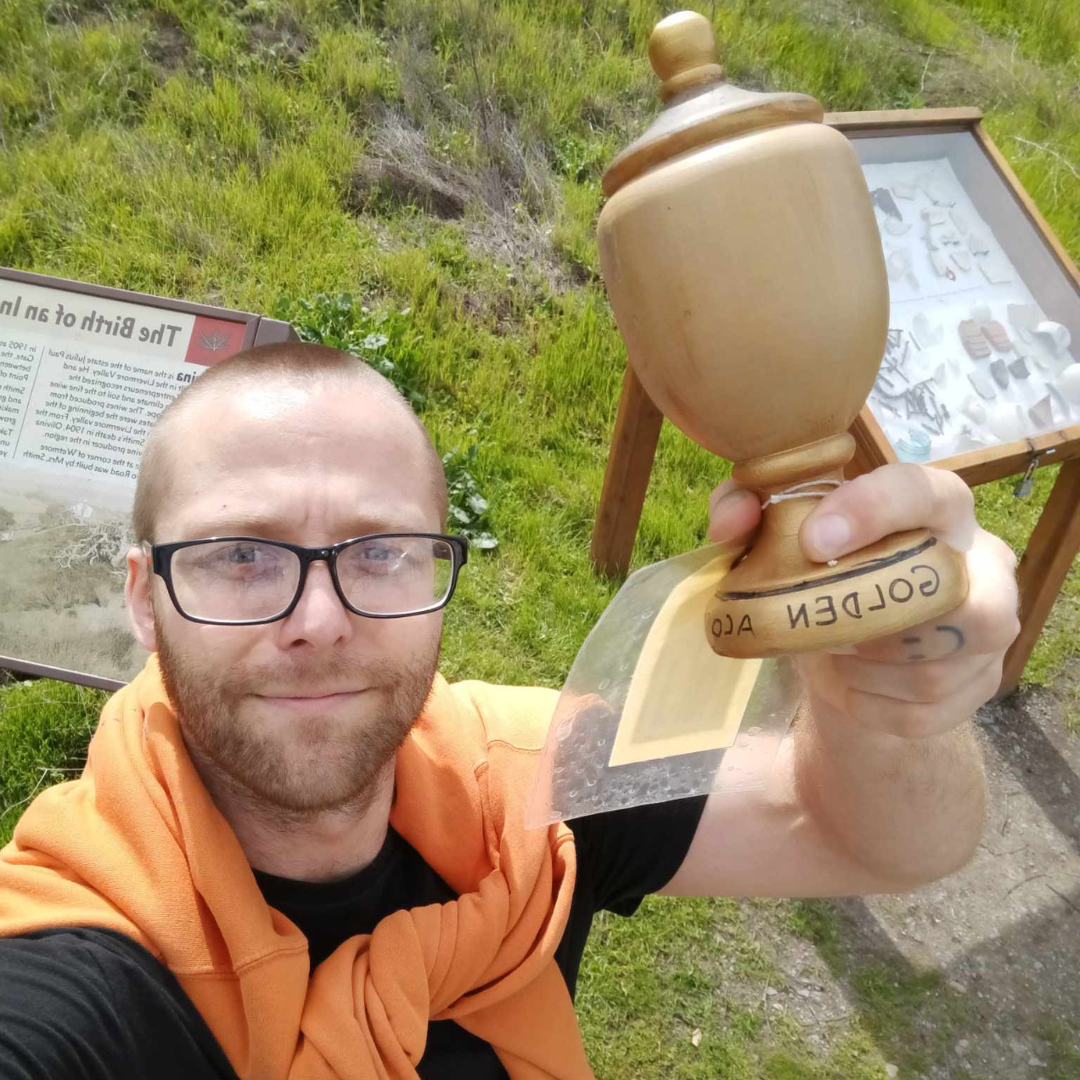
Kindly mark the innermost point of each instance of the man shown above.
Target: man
(298, 851)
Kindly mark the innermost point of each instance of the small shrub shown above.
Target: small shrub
(579, 159)
(384, 339)
(468, 508)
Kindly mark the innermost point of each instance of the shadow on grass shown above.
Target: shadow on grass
(1012, 996)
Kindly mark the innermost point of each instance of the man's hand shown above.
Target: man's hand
(881, 786)
(929, 678)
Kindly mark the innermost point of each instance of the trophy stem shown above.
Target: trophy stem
(814, 461)
(775, 601)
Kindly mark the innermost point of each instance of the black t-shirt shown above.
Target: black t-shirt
(84, 1003)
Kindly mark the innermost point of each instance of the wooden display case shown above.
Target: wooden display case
(1005, 264)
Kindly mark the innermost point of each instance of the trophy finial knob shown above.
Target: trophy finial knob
(682, 50)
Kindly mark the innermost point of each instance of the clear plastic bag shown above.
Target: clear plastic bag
(575, 778)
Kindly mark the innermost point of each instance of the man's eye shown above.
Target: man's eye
(246, 559)
(382, 559)
(244, 554)
(239, 555)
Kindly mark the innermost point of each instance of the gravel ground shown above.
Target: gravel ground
(1003, 934)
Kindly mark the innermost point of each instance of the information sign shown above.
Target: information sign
(84, 372)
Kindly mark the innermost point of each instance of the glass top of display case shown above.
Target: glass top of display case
(983, 319)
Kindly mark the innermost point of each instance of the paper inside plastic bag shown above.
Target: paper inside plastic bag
(683, 696)
(575, 777)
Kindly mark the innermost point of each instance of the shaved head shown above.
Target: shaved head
(293, 366)
(303, 445)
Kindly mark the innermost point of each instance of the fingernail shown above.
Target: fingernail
(723, 506)
(725, 498)
(730, 498)
(830, 534)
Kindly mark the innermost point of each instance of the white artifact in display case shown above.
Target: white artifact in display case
(971, 359)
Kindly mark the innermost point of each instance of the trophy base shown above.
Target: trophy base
(898, 582)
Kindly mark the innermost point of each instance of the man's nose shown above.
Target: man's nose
(319, 616)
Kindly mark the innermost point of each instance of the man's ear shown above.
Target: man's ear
(140, 605)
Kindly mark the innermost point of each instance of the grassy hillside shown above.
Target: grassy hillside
(439, 162)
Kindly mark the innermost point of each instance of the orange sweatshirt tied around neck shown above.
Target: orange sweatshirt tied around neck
(136, 845)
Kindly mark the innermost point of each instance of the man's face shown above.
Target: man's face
(300, 714)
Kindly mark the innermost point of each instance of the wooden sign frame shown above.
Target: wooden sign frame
(121, 326)
(1056, 538)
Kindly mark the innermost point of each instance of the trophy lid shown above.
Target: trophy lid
(699, 107)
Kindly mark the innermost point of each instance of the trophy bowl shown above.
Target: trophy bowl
(742, 259)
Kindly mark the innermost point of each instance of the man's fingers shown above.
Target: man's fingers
(962, 632)
(919, 720)
(724, 488)
(986, 622)
(921, 683)
(891, 499)
(877, 710)
(734, 512)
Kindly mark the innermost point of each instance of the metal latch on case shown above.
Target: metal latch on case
(1026, 483)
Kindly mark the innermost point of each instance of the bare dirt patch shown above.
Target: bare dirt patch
(505, 207)
(75, 11)
(168, 46)
(281, 37)
(400, 170)
(974, 976)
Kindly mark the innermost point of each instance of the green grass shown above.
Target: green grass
(45, 729)
(210, 151)
(710, 966)
(1064, 1063)
(911, 1015)
(1046, 30)
(696, 966)
(926, 22)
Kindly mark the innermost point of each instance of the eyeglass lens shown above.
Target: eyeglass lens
(234, 580)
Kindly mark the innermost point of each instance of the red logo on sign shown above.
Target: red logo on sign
(212, 340)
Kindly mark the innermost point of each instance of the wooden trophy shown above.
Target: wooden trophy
(744, 266)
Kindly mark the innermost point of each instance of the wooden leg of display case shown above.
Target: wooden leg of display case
(871, 445)
(633, 447)
(1054, 543)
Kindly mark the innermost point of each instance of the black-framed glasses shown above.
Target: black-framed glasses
(246, 580)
